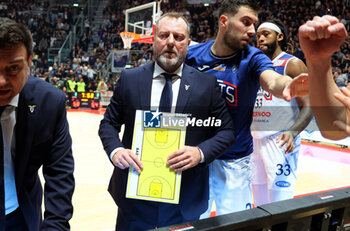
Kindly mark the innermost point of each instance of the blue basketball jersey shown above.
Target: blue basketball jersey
(238, 77)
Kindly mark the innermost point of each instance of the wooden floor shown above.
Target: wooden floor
(94, 209)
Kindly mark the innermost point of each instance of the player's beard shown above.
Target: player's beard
(232, 40)
(270, 48)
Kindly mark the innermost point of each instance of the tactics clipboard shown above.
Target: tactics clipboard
(156, 136)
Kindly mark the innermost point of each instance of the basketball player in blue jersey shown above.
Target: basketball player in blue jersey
(277, 123)
(319, 39)
(240, 70)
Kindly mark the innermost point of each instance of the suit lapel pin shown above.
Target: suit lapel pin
(187, 87)
(31, 108)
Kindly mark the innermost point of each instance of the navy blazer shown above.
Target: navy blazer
(43, 139)
(202, 99)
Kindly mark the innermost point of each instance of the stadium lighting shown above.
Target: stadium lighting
(206, 4)
(75, 4)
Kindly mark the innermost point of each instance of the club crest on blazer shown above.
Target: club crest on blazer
(31, 108)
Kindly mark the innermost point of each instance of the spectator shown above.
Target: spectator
(340, 78)
(85, 58)
(102, 87)
(92, 58)
(90, 73)
(71, 85)
(81, 84)
(56, 83)
(98, 66)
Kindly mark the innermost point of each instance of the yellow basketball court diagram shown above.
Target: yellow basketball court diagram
(153, 145)
(157, 179)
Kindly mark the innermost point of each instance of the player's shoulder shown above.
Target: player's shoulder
(199, 54)
(252, 51)
(294, 66)
(292, 60)
(203, 45)
(254, 54)
(285, 55)
(255, 57)
(194, 50)
(203, 76)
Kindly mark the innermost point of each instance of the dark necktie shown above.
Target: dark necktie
(167, 94)
(2, 187)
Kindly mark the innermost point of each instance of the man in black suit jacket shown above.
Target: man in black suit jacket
(198, 95)
(35, 134)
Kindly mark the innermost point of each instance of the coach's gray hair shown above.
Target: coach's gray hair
(173, 15)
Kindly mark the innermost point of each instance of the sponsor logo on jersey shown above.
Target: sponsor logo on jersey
(230, 92)
(221, 67)
(261, 114)
(203, 68)
(283, 184)
(280, 62)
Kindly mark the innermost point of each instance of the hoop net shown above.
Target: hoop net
(127, 38)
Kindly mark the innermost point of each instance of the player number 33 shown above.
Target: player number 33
(285, 170)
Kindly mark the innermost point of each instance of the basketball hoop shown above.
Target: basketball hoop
(139, 23)
(127, 38)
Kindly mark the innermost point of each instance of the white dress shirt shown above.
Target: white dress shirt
(158, 84)
(8, 122)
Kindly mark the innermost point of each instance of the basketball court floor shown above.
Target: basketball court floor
(321, 168)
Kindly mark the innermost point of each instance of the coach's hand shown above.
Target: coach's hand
(125, 158)
(184, 158)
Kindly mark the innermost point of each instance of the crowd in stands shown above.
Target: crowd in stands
(50, 25)
(204, 23)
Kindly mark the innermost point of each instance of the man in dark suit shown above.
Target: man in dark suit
(192, 93)
(34, 133)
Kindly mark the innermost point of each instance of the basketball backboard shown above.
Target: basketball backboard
(140, 19)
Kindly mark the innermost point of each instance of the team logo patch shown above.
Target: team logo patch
(267, 95)
(282, 184)
(309, 133)
(221, 67)
(234, 68)
(32, 108)
(152, 119)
